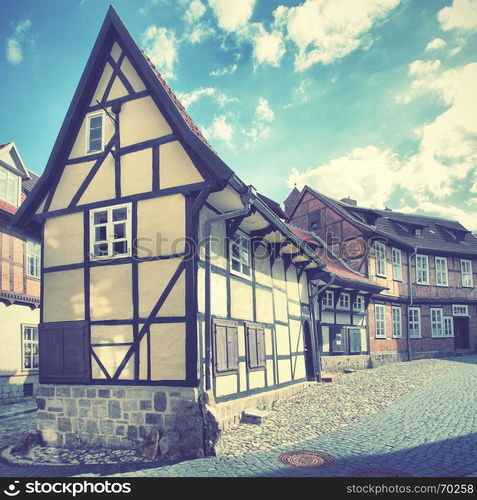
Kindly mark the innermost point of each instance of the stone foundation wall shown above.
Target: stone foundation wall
(230, 412)
(383, 358)
(340, 363)
(12, 390)
(121, 417)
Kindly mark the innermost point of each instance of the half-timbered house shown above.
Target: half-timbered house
(426, 266)
(165, 277)
(19, 283)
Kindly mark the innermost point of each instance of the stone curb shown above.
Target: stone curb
(18, 412)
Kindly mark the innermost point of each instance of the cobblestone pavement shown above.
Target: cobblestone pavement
(432, 431)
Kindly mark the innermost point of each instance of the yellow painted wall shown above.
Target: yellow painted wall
(63, 296)
(264, 300)
(141, 121)
(283, 342)
(280, 301)
(107, 334)
(136, 172)
(111, 357)
(70, 181)
(133, 78)
(153, 277)
(226, 384)
(63, 240)
(176, 167)
(102, 84)
(102, 186)
(111, 292)
(168, 351)
(241, 301)
(162, 217)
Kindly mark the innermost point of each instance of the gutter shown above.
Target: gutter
(411, 299)
(247, 201)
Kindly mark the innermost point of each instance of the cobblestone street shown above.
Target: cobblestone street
(419, 418)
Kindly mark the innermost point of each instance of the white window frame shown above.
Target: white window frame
(380, 322)
(17, 191)
(466, 283)
(396, 322)
(33, 255)
(397, 264)
(358, 304)
(32, 342)
(344, 302)
(448, 326)
(89, 116)
(328, 301)
(437, 322)
(243, 242)
(425, 258)
(442, 272)
(464, 313)
(380, 258)
(414, 324)
(109, 224)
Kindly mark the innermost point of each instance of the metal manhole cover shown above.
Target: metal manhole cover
(305, 459)
(376, 472)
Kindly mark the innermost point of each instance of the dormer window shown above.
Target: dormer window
(418, 231)
(95, 133)
(9, 187)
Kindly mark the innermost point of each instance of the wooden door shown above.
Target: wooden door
(461, 333)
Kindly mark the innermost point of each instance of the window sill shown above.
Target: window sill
(380, 338)
(224, 374)
(422, 284)
(106, 258)
(256, 369)
(381, 275)
(241, 275)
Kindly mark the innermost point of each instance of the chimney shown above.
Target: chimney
(349, 201)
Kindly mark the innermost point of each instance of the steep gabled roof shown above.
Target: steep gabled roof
(214, 168)
(438, 235)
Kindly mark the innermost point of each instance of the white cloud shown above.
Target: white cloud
(231, 15)
(255, 135)
(267, 47)
(423, 67)
(199, 33)
(160, 45)
(227, 70)
(263, 111)
(368, 175)
(195, 11)
(435, 44)
(187, 99)
(327, 30)
(220, 129)
(13, 49)
(461, 14)
(301, 92)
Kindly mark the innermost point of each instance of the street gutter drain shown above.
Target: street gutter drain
(305, 459)
(376, 472)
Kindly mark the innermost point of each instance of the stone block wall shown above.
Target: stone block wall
(12, 390)
(121, 417)
(383, 358)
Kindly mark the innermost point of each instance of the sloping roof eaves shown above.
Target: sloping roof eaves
(179, 122)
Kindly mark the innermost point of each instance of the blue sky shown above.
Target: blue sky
(374, 99)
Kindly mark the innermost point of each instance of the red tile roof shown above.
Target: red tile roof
(331, 261)
(178, 105)
(11, 209)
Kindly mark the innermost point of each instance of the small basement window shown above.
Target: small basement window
(110, 232)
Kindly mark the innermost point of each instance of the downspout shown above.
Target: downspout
(246, 200)
(411, 298)
(317, 293)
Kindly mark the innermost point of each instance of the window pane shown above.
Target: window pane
(100, 217)
(119, 231)
(246, 270)
(27, 361)
(26, 334)
(120, 214)
(235, 252)
(235, 265)
(94, 145)
(100, 250)
(35, 334)
(96, 121)
(95, 134)
(120, 247)
(100, 233)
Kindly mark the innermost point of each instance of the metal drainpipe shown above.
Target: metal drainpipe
(246, 200)
(409, 347)
(318, 291)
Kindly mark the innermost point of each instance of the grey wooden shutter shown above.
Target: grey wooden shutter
(232, 347)
(252, 346)
(260, 335)
(220, 348)
(354, 340)
(64, 352)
